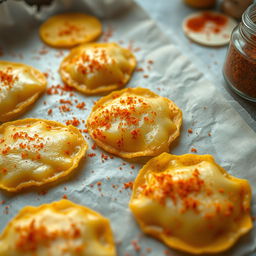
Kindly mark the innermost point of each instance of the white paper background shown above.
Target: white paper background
(232, 142)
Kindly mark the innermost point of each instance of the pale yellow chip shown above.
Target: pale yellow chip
(70, 29)
(37, 151)
(97, 67)
(20, 86)
(191, 203)
(134, 122)
(58, 229)
(209, 28)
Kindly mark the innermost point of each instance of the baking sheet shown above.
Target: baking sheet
(232, 142)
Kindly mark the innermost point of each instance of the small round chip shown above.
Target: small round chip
(191, 203)
(59, 228)
(209, 28)
(70, 29)
(20, 87)
(134, 122)
(36, 151)
(97, 67)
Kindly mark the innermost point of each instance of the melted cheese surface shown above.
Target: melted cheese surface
(98, 67)
(70, 29)
(34, 152)
(191, 203)
(58, 229)
(134, 122)
(20, 86)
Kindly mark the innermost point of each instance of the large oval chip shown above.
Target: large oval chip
(134, 122)
(70, 29)
(191, 203)
(97, 67)
(20, 86)
(37, 151)
(57, 229)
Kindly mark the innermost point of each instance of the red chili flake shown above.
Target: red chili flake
(64, 108)
(92, 155)
(190, 130)
(65, 196)
(145, 76)
(46, 74)
(43, 51)
(135, 133)
(194, 150)
(167, 253)
(128, 185)
(42, 193)
(49, 112)
(65, 102)
(135, 245)
(139, 69)
(221, 190)
(209, 134)
(150, 62)
(80, 105)
(99, 183)
(199, 23)
(24, 155)
(6, 150)
(6, 209)
(105, 157)
(94, 146)
(132, 166)
(74, 122)
(4, 171)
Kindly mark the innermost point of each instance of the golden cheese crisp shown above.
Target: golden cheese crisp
(191, 203)
(58, 229)
(70, 29)
(37, 151)
(134, 122)
(20, 86)
(97, 67)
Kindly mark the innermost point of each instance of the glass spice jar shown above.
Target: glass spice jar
(240, 66)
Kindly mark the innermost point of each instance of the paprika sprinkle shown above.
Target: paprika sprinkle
(240, 66)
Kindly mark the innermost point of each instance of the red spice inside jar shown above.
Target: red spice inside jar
(240, 69)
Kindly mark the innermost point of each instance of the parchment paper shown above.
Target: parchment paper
(232, 142)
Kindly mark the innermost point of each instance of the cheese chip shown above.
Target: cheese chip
(134, 122)
(70, 29)
(57, 229)
(97, 67)
(191, 203)
(37, 151)
(20, 86)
